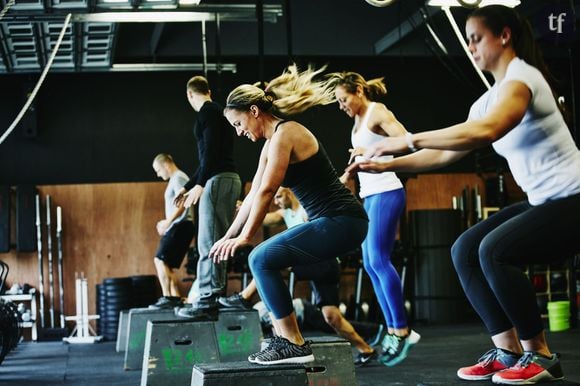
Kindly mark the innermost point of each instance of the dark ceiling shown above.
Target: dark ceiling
(96, 41)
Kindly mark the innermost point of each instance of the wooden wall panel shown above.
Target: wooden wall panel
(108, 231)
(435, 191)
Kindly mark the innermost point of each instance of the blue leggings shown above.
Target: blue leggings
(384, 210)
(489, 257)
(309, 243)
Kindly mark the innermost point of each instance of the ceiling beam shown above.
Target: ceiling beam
(120, 67)
(405, 28)
(231, 12)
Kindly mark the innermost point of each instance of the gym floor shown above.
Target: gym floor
(433, 361)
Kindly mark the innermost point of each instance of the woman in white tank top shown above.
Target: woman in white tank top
(384, 201)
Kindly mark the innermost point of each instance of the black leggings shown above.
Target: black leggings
(489, 258)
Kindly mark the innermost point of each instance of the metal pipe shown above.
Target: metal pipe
(204, 48)
(260, 21)
(464, 46)
(40, 262)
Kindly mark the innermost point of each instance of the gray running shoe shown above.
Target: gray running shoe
(235, 301)
(285, 352)
(167, 302)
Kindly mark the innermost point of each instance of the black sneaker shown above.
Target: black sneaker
(364, 358)
(197, 313)
(235, 301)
(274, 343)
(167, 302)
(285, 352)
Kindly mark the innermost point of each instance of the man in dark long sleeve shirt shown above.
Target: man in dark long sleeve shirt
(216, 186)
(215, 144)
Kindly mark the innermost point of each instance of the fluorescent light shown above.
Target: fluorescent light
(380, 3)
(189, 2)
(507, 3)
(144, 17)
(483, 3)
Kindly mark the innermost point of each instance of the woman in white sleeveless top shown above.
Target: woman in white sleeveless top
(384, 201)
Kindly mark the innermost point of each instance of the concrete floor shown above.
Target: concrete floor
(433, 361)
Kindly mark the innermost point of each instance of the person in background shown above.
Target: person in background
(520, 117)
(176, 231)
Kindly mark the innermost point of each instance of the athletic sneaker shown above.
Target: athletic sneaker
(491, 362)
(197, 313)
(364, 358)
(285, 352)
(273, 344)
(167, 302)
(387, 353)
(235, 301)
(399, 348)
(530, 369)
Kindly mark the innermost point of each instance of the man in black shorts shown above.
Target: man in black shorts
(176, 231)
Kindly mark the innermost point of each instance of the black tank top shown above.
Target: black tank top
(315, 183)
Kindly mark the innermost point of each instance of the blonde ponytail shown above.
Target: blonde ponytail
(290, 93)
(350, 81)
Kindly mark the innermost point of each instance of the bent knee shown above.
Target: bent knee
(462, 250)
(257, 259)
(490, 254)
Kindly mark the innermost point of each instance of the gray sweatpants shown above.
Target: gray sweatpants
(216, 211)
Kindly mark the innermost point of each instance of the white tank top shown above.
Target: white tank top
(291, 218)
(371, 183)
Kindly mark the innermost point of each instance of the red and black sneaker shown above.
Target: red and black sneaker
(530, 369)
(491, 362)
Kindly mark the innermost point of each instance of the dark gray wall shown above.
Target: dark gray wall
(107, 127)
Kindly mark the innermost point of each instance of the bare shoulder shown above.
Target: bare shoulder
(296, 137)
(292, 130)
(381, 113)
(290, 126)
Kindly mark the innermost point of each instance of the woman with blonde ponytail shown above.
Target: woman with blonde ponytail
(291, 157)
(384, 200)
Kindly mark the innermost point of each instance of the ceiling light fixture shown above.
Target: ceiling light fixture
(380, 3)
(473, 3)
(143, 17)
(469, 3)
